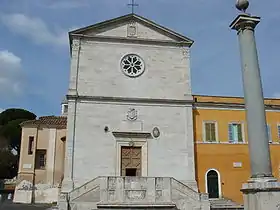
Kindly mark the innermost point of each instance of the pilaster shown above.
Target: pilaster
(68, 183)
(51, 155)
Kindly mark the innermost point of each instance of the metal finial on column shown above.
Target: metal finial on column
(242, 5)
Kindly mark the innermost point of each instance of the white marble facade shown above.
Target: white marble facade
(101, 97)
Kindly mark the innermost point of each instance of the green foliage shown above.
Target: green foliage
(8, 164)
(15, 114)
(8, 161)
(10, 139)
(12, 131)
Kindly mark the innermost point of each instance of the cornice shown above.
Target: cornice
(132, 134)
(244, 21)
(132, 40)
(230, 105)
(130, 100)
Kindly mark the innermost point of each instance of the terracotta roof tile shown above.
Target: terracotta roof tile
(48, 121)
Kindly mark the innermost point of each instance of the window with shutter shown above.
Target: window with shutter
(235, 133)
(278, 130)
(239, 132)
(210, 131)
(230, 133)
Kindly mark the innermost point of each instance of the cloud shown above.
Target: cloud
(10, 74)
(1, 110)
(69, 4)
(34, 29)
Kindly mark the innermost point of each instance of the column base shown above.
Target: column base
(261, 194)
(262, 179)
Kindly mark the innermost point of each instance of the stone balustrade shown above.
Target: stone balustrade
(109, 192)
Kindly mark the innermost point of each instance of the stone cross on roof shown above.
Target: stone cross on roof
(132, 4)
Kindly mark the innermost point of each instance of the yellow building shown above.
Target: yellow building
(41, 162)
(221, 149)
(221, 144)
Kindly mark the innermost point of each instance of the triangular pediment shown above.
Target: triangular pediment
(132, 26)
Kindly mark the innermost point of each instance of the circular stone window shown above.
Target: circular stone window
(132, 65)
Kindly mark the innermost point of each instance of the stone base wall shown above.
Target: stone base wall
(40, 193)
(261, 195)
(133, 193)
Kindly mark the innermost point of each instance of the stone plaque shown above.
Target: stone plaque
(27, 166)
(132, 29)
(237, 165)
(134, 195)
(131, 126)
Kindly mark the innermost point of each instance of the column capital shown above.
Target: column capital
(244, 21)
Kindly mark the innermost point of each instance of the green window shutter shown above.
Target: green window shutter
(207, 132)
(230, 133)
(213, 131)
(210, 132)
(240, 136)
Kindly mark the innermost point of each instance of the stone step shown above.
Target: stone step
(120, 206)
(227, 208)
(224, 204)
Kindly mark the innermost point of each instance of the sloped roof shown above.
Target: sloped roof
(135, 17)
(48, 121)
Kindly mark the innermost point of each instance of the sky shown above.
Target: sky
(35, 58)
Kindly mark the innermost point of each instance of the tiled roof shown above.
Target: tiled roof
(48, 121)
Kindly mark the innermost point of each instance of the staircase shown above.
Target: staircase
(225, 204)
(134, 193)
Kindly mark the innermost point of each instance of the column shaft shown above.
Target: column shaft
(254, 102)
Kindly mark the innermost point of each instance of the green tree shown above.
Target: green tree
(10, 139)
(10, 129)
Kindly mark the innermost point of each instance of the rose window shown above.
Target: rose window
(132, 65)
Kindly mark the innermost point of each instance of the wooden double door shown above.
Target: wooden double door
(130, 161)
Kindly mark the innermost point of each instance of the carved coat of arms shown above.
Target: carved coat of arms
(132, 114)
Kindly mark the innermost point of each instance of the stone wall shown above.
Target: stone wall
(95, 150)
(166, 75)
(40, 193)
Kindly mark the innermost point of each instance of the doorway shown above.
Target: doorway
(213, 184)
(130, 161)
(130, 171)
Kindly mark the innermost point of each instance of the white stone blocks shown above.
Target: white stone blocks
(166, 76)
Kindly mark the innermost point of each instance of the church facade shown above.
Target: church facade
(136, 136)
(129, 108)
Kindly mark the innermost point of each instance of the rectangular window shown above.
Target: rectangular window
(40, 159)
(30, 145)
(210, 131)
(65, 109)
(235, 133)
(268, 128)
